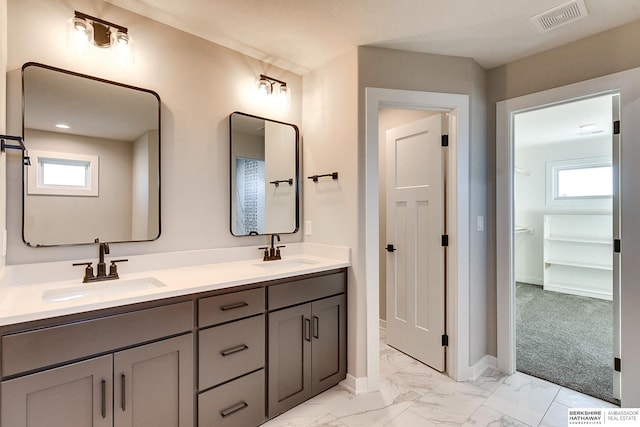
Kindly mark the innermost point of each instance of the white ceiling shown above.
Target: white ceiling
(562, 122)
(301, 35)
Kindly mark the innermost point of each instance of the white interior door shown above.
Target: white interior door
(415, 226)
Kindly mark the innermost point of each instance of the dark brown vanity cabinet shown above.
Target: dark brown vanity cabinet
(258, 351)
(148, 382)
(307, 339)
(231, 350)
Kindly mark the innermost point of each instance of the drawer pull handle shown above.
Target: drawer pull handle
(230, 351)
(233, 306)
(103, 404)
(122, 392)
(233, 409)
(316, 327)
(307, 329)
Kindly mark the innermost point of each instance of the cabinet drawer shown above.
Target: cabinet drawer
(227, 307)
(300, 291)
(230, 350)
(39, 348)
(238, 403)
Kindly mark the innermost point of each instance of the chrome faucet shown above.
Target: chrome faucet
(101, 274)
(272, 252)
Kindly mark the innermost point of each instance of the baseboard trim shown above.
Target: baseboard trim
(355, 385)
(487, 361)
(383, 324)
(530, 280)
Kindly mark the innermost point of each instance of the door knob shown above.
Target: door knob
(390, 248)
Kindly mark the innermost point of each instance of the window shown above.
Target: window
(580, 182)
(62, 174)
(591, 181)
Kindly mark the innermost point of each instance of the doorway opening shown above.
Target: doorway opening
(412, 211)
(563, 243)
(457, 313)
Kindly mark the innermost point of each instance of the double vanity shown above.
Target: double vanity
(219, 337)
(219, 344)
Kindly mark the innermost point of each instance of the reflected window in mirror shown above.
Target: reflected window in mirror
(264, 176)
(99, 141)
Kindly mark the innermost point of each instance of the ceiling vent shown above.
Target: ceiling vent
(561, 15)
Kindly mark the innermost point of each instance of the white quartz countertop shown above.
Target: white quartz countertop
(23, 300)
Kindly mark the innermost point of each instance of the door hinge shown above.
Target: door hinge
(617, 245)
(445, 240)
(445, 140)
(445, 340)
(616, 364)
(616, 127)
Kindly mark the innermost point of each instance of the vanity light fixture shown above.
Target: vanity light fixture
(266, 87)
(88, 29)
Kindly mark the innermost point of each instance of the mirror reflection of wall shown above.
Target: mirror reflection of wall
(264, 176)
(95, 148)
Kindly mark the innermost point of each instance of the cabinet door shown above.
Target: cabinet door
(329, 354)
(76, 395)
(153, 384)
(289, 358)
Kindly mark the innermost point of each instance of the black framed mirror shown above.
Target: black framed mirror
(265, 178)
(94, 146)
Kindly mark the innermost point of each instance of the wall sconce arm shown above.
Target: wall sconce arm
(20, 146)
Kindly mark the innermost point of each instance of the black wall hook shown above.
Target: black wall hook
(333, 175)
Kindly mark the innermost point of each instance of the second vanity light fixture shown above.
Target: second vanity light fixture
(266, 87)
(88, 29)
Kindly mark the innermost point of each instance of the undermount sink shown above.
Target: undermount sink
(107, 288)
(286, 263)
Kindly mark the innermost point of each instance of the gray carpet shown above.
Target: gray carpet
(565, 339)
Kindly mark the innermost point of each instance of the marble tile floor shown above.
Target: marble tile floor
(414, 395)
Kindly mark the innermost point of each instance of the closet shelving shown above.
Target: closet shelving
(578, 255)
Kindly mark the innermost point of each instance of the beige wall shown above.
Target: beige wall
(330, 144)
(199, 83)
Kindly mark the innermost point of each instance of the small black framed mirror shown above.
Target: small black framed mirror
(265, 176)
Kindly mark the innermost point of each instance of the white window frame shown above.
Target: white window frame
(551, 190)
(35, 185)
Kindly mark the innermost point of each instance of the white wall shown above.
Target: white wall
(199, 84)
(279, 156)
(530, 198)
(330, 123)
(144, 200)
(111, 208)
(3, 119)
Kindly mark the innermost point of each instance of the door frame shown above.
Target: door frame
(458, 223)
(621, 83)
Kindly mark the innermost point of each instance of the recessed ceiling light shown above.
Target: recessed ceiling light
(62, 126)
(588, 127)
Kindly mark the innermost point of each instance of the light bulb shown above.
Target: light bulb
(81, 34)
(284, 96)
(122, 46)
(264, 87)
